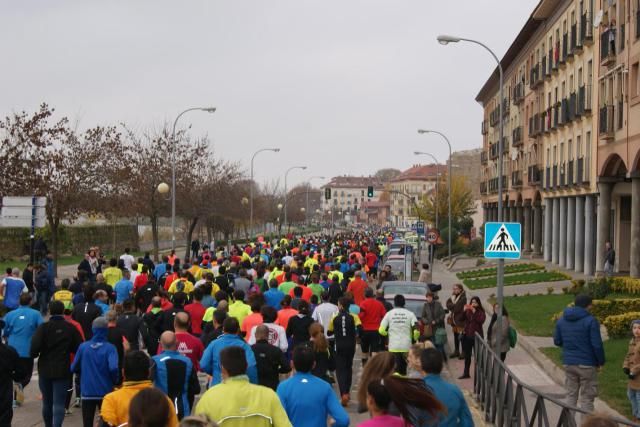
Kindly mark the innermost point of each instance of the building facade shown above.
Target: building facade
(348, 194)
(408, 188)
(549, 154)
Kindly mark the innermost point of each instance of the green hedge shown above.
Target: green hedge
(492, 271)
(517, 279)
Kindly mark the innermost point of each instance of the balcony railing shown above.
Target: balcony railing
(584, 100)
(493, 151)
(483, 188)
(608, 47)
(573, 105)
(580, 171)
(549, 64)
(535, 76)
(576, 45)
(563, 175)
(518, 93)
(517, 136)
(556, 56)
(586, 28)
(548, 119)
(484, 127)
(484, 158)
(565, 47)
(570, 173)
(492, 184)
(533, 175)
(516, 179)
(556, 116)
(554, 172)
(607, 121)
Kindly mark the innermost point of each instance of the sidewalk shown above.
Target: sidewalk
(526, 362)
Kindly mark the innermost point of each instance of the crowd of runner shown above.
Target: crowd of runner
(273, 325)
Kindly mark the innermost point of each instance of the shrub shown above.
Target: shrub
(598, 288)
(475, 247)
(619, 326)
(550, 290)
(602, 309)
(625, 285)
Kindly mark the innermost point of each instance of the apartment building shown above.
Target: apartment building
(349, 193)
(549, 157)
(408, 188)
(618, 133)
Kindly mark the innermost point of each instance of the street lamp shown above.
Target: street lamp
(210, 110)
(444, 39)
(423, 153)
(309, 187)
(286, 174)
(275, 150)
(423, 131)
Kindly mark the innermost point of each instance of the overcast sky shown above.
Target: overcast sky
(341, 86)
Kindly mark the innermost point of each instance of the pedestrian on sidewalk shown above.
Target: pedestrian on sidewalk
(631, 369)
(475, 317)
(504, 334)
(457, 319)
(433, 320)
(578, 333)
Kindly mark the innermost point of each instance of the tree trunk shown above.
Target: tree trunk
(154, 233)
(192, 226)
(54, 223)
(209, 234)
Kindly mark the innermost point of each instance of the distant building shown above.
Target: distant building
(408, 188)
(374, 213)
(348, 194)
(465, 163)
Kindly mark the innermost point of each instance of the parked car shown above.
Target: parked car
(413, 303)
(405, 288)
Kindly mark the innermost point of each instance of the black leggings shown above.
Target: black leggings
(467, 349)
(89, 411)
(457, 337)
(344, 368)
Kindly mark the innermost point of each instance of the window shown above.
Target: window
(569, 150)
(548, 158)
(562, 153)
(555, 155)
(362, 192)
(578, 146)
(635, 85)
(587, 151)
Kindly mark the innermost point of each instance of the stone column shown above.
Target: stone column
(562, 237)
(548, 221)
(519, 213)
(635, 225)
(526, 246)
(571, 233)
(589, 246)
(537, 229)
(555, 234)
(579, 233)
(603, 223)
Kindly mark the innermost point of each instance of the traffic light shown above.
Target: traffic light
(327, 193)
(370, 191)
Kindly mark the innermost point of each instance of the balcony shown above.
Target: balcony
(518, 93)
(517, 136)
(607, 121)
(573, 102)
(556, 117)
(554, 178)
(516, 179)
(505, 107)
(584, 100)
(608, 47)
(565, 47)
(484, 127)
(586, 29)
(483, 188)
(535, 76)
(543, 122)
(581, 177)
(547, 180)
(493, 151)
(556, 57)
(493, 184)
(534, 126)
(563, 175)
(484, 158)
(564, 112)
(548, 116)
(547, 73)
(576, 44)
(533, 175)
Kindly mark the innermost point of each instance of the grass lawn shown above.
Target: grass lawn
(611, 381)
(492, 271)
(531, 315)
(515, 279)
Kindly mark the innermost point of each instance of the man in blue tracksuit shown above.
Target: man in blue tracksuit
(578, 333)
(304, 394)
(210, 362)
(20, 325)
(175, 375)
(97, 361)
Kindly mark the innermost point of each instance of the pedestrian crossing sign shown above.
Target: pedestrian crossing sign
(502, 240)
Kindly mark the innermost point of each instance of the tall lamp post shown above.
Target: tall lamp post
(423, 153)
(444, 39)
(275, 150)
(423, 131)
(286, 174)
(173, 170)
(309, 184)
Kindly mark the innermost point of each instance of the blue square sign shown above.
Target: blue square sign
(502, 240)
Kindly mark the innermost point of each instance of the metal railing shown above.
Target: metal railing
(501, 396)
